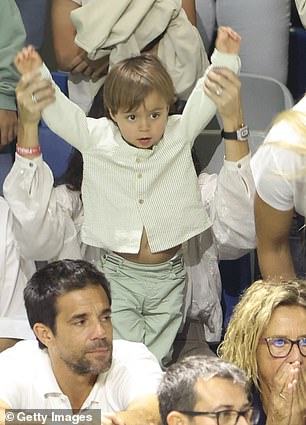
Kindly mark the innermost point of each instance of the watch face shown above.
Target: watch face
(244, 132)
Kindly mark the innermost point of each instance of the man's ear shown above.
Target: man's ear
(177, 418)
(43, 333)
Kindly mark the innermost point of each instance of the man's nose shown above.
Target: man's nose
(98, 330)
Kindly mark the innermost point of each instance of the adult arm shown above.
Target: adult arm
(69, 56)
(202, 103)
(229, 196)
(3, 406)
(76, 129)
(190, 9)
(63, 33)
(141, 411)
(12, 39)
(43, 223)
(272, 230)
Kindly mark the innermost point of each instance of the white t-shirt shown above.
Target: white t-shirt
(280, 171)
(27, 380)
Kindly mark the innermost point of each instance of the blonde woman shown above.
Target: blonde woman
(279, 170)
(266, 337)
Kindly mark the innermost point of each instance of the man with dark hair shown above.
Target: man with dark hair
(202, 388)
(76, 365)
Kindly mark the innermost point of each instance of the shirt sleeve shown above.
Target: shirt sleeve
(69, 121)
(276, 166)
(12, 39)
(228, 199)
(43, 222)
(200, 109)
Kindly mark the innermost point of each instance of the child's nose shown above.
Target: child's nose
(144, 124)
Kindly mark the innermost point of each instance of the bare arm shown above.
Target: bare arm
(142, 411)
(190, 9)
(272, 230)
(8, 126)
(64, 33)
(68, 55)
(229, 107)
(3, 406)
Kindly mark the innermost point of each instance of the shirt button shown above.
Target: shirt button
(239, 165)
(141, 201)
(31, 164)
(139, 175)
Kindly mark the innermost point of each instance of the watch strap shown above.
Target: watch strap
(241, 134)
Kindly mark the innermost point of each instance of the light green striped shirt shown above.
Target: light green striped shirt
(126, 189)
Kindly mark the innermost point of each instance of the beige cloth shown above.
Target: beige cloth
(301, 8)
(122, 28)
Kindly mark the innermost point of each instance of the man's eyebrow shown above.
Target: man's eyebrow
(246, 405)
(80, 316)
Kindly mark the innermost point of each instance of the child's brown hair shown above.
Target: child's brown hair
(131, 80)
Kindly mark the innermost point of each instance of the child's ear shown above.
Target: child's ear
(113, 116)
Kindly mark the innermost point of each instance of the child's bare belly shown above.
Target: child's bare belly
(145, 256)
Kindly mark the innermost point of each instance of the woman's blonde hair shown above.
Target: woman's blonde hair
(297, 120)
(252, 315)
(131, 80)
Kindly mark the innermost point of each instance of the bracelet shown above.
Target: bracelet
(22, 151)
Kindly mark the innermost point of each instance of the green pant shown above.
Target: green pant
(146, 301)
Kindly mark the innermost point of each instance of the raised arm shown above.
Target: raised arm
(229, 196)
(272, 230)
(208, 93)
(229, 107)
(42, 215)
(74, 128)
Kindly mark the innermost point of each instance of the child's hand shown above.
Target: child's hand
(27, 60)
(228, 40)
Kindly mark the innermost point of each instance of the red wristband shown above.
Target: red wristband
(22, 151)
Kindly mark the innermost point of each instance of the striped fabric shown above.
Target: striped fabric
(126, 189)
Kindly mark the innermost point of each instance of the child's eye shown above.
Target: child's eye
(131, 117)
(155, 115)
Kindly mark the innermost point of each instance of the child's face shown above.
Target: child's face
(145, 126)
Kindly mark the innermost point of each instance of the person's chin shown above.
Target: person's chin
(101, 357)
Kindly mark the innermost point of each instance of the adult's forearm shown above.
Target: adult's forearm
(63, 33)
(235, 149)
(275, 263)
(145, 411)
